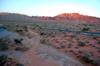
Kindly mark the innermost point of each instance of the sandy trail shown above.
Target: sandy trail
(30, 58)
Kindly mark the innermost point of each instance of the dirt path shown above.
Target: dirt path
(47, 54)
(30, 58)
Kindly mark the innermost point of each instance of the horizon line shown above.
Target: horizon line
(51, 16)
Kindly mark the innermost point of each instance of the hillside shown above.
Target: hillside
(70, 17)
(70, 21)
(77, 16)
(14, 17)
(61, 17)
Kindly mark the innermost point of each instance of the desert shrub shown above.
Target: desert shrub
(25, 28)
(43, 41)
(85, 29)
(19, 30)
(85, 24)
(18, 48)
(94, 37)
(3, 45)
(98, 42)
(86, 58)
(3, 59)
(18, 41)
(69, 45)
(96, 62)
(42, 33)
(62, 46)
(6, 61)
(2, 26)
(98, 49)
(81, 43)
(19, 65)
(80, 51)
(57, 47)
(21, 49)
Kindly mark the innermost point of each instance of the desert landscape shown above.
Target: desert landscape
(49, 32)
(68, 39)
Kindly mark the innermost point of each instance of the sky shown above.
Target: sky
(51, 7)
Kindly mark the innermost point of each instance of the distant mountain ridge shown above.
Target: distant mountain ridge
(60, 17)
(14, 17)
(70, 16)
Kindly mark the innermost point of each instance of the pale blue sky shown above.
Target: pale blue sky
(51, 7)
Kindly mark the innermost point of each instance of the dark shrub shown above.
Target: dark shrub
(42, 33)
(18, 41)
(3, 45)
(86, 57)
(3, 59)
(18, 48)
(62, 46)
(98, 42)
(81, 43)
(69, 45)
(21, 49)
(96, 62)
(19, 65)
(85, 29)
(25, 28)
(19, 30)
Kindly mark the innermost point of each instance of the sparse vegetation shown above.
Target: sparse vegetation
(21, 49)
(7, 61)
(3, 59)
(81, 43)
(18, 41)
(69, 45)
(86, 57)
(96, 62)
(3, 45)
(85, 29)
(64, 36)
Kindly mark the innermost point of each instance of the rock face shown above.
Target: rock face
(70, 17)
(77, 16)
